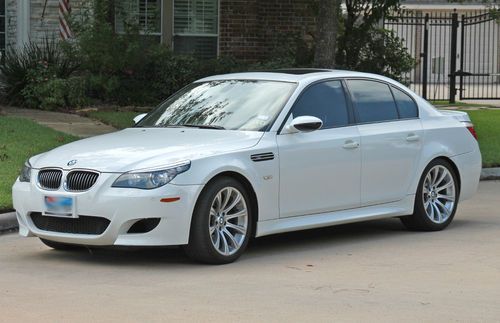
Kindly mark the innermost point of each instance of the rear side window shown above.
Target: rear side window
(325, 101)
(406, 106)
(373, 101)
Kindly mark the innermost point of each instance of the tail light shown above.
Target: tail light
(471, 129)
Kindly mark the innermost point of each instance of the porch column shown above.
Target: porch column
(167, 29)
(23, 22)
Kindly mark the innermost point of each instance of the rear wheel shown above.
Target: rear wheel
(222, 223)
(59, 245)
(436, 200)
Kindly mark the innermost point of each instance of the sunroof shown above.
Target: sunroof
(299, 71)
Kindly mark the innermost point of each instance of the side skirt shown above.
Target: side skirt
(296, 223)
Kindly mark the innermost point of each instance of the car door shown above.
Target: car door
(391, 142)
(320, 170)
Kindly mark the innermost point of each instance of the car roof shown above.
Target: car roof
(292, 75)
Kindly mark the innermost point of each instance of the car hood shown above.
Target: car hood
(138, 148)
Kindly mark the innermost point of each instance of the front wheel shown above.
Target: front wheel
(221, 224)
(436, 199)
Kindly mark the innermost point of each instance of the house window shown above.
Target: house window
(196, 27)
(2, 30)
(142, 14)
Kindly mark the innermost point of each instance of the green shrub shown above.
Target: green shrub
(46, 91)
(382, 53)
(48, 95)
(43, 88)
(76, 92)
(23, 65)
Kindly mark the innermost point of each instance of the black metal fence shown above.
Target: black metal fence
(480, 57)
(455, 55)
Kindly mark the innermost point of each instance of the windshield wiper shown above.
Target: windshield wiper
(202, 126)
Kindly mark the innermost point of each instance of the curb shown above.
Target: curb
(8, 222)
(490, 174)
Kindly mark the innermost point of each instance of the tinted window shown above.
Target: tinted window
(373, 101)
(325, 101)
(406, 105)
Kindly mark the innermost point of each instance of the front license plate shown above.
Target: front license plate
(59, 205)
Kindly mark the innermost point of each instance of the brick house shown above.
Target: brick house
(245, 29)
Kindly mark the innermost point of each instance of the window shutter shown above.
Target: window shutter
(144, 13)
(196, 27)
(150, 16)
(196, 17)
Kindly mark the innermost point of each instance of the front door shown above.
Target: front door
(320, 170)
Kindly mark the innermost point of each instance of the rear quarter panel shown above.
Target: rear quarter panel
(445, 136)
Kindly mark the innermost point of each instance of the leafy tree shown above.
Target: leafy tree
(363, 44)
(326, 33)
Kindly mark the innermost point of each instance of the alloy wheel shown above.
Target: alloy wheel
(228, 223)
(439, 194)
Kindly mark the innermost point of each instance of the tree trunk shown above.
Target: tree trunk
(326, 33)
(111, 13)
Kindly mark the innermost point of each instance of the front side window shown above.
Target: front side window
(325, 101)
(406, 106)
(229, 104)
(196, 27)
(373, 101)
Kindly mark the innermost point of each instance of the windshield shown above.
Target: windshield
(228, 104)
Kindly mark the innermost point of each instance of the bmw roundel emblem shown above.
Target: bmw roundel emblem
(71, 162)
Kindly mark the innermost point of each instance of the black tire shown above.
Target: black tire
(200, 247)
(419, 221)
(59, 245)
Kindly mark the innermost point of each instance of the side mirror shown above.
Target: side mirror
(138, 118)
(305, 124)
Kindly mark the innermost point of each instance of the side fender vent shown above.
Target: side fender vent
(262, 157)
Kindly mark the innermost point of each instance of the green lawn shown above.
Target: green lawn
(460, 104)
(20, 139)
(487, 125)
(117, 119)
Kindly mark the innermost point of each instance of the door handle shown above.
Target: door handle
(412, 137)
(350, 144)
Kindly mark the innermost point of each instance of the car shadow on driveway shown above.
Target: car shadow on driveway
(309, 242)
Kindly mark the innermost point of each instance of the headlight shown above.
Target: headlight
(25, 175)
(152, 178)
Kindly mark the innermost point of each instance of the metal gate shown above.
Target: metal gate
(442, 56)
(480, 57)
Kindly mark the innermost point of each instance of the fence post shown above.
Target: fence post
(462, 57)
(425, 55)
(453, 57)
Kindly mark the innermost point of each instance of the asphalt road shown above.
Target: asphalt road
(373, 271)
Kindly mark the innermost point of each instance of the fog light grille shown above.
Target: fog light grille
(83, 225)
(144, 225)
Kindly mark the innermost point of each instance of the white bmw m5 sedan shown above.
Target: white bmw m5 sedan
(237, 156)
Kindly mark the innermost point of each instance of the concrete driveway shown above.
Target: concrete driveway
(373, 271)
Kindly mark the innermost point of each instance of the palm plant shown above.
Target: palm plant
(20, 63)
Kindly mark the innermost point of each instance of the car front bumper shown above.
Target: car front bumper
(123, 207)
